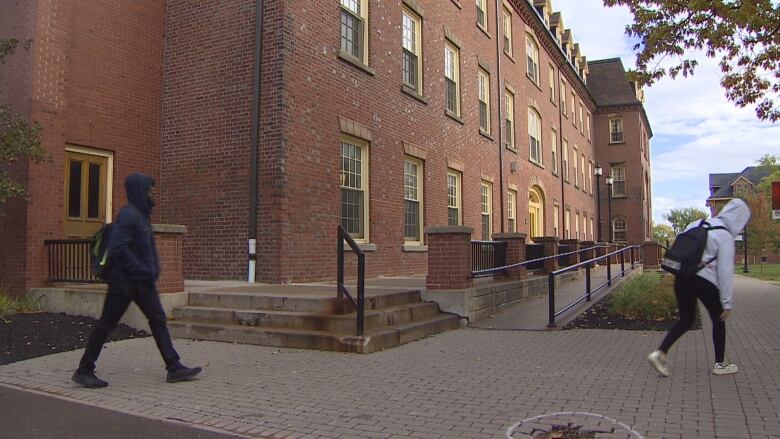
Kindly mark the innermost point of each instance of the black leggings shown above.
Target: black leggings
(687, 290)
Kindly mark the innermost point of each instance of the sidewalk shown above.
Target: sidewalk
(467, 383)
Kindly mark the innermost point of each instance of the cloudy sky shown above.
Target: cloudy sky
(696, 130)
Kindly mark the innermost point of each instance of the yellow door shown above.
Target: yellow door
(85, 193)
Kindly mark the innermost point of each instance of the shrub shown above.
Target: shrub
(648, 296)
(17, 304)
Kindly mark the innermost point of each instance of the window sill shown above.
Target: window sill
(351, 60)
(454, 117)
(514, 150)
(617, 143)
(619, 196)
(486, 134)
(535, 163)
(531, 78)
(509, 55)
(484, 31)
(365, 246)
(457, 3)
(415, 248)
(411, 92)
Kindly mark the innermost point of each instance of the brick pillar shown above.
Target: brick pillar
(587, 254)
(169, 240)
(601, 251)
(550, 249)
(574, 245)
(515, 253)
(449, 258)
(614, 259)
(652, 256)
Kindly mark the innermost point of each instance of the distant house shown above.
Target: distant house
(724, 187)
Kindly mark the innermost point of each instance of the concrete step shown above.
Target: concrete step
(374, 340)
(334, 323)
(310, 304)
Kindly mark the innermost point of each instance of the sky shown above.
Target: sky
(696, 130)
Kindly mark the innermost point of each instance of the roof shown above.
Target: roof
(724, 181)
(608, 85)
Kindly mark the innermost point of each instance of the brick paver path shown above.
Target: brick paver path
(468, 383)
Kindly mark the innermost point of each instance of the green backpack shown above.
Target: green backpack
(99, 255)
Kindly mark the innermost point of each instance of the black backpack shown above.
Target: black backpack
(98, 250)
(684, 257)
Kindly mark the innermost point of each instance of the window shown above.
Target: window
(577, 225)
(619, 230)
(354, 187)
(535, 136)
(452, 77)
(563, 98)
(619, 180)
(486, 190)
(590, 177)
(576, 172)
(592, 236)
(454, 217)
(354, 29)
(566, 224)
(587, 126)
(616, 130)
(532, 53)
(512, 211)
(582, 125)
(552, 83)
(484, 101)
(573, 109)
(554, 143)
(556, 226)
(565, 160)
(482, 14)
(412, 47)
(507, 32)
(582, 173)
(413, 200)
(510, 120)
(585, 226)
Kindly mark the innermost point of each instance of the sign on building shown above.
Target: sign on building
(776, 200)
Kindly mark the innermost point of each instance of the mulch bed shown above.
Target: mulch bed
(25, 336)
(599, 317)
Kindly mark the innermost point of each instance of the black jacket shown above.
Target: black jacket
(132, 249)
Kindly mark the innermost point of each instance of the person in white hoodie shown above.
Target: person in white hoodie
(713, 285)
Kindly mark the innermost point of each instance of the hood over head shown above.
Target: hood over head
(734, 215)
(138, 187)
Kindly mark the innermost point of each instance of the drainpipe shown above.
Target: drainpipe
(499, 30)
(561, 99)
(254, 144)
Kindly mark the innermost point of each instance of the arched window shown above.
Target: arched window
(535, 212)
(619, 229)
(532, 53)
(535, 135)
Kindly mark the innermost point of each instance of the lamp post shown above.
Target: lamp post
(744, 244)
(610, 180)
(597, 172)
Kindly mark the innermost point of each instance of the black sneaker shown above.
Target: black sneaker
(88, 380)
(183, 373)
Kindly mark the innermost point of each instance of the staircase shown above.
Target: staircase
(309, 322)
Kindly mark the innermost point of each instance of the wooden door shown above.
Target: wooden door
(85, 193)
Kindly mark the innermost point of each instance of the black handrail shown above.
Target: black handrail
(552, 314)
(361, 280)
(69, 261)
(503, 269)
(486, 255)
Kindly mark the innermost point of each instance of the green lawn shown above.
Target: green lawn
(770, 272)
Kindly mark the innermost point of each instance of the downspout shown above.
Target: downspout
(254, 144)
(499, 30)
(561, 99)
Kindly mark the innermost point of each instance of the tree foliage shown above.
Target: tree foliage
(19, 139)
(745, 34)
(680, 218)
(663, 234)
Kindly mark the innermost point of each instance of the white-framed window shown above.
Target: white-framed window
(556, 221)
(582, 124)
(585, 227)
(618, 171)
(616, 130)
(484, 101)
(510, 119)
(590, 177)
(354, 29)
(486, 197)
(512, 210)
(562, 95)
(576, 171)
(482, 14)
(573, 108)
(454, 198)
(354, 187)
(507, 17)
(592, 236)
(619, 229)
(413, 200)
(577, 225)
(452, 77)
(552, 83)
(587, 126)
(534, 135)
(565, 160)
(567, 224)
(532, 54)
(554, 148)
(582, 173)
(412, 50)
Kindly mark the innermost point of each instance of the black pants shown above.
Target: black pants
(119, 296)
(687, 290)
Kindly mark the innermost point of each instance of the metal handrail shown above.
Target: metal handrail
(552, 314)
(359, 305)
(491, 271)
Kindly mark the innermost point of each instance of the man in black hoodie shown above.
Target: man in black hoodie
(133, 271)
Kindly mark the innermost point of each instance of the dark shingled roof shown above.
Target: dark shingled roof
(751, 173)
(608, 85)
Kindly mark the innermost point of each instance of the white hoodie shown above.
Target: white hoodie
(720, 243)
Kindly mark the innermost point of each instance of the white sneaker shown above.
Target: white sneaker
(724, 368)
(658, 360)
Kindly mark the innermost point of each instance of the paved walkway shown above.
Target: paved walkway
(468, 383)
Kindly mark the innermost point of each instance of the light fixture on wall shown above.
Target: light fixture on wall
(513, 166)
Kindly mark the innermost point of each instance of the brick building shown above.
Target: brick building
(385, 117)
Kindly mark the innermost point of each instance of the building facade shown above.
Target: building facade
(383, 117)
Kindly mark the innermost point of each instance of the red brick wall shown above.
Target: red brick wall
(169, 248)
(449, 259)
(17, 21)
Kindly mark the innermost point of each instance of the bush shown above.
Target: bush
(647, 296)
(17, 304)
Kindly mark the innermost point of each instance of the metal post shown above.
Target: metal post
(551, 301)
(340, 263)
(361, 290)
(609, 211)
(598, 172)
(609, 271)
(587, 282)
(744, 243)
(623, 263)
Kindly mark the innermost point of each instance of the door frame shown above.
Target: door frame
(109, 157)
